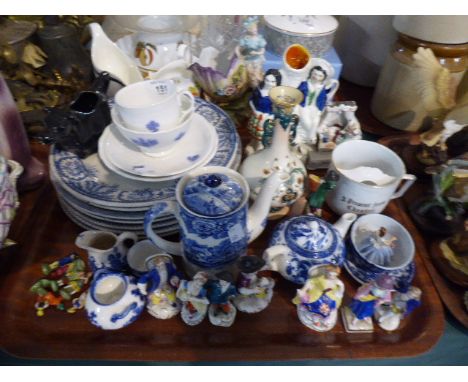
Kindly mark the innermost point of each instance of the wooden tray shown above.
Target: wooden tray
(450, 293)
(46, 234)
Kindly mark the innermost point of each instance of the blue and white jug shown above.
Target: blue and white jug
(215, 223)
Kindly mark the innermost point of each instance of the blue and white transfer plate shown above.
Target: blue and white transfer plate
(90, 181)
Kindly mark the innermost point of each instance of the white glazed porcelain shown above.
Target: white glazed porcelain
(153, 143)
(194, 149)
(362, 198)
(8, 195)
(108, 57)
(113, 300)
(105, 249)
(152, 106)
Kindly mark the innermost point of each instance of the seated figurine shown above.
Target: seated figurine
(255, 292)
(193, 295)
(163, 280)
(404, 301)
(222, 311)
(320, 298)
(358, 316)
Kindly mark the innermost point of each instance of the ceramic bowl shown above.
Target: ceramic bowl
(153, 106)
(153, 143)
(316, 33)
(403, 251)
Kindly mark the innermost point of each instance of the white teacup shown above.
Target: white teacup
(351, 195)
(152, 106)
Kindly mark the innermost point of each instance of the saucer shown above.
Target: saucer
(402, 276)
(195, 149)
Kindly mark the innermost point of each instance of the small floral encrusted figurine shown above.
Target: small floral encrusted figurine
(404, 301)
(221, 292)
(255, 292)
(160, 284)
(193, 295)
(358, 316)
(320, 298)
(377, 246)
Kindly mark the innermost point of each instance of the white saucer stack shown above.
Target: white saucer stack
(112, 190)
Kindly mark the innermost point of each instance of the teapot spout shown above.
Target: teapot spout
(344, 222)
(258, 212)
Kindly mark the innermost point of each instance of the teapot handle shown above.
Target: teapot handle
(161, 208)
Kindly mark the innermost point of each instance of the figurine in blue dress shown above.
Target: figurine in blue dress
(221, 291)
(262, 109)
(252, 50)
(377, 246)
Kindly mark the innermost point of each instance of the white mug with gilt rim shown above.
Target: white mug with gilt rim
(362, 198)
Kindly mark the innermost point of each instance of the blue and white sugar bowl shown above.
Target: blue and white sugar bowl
(113, 300)
(379, 244)
(301, 242)
(215, 223)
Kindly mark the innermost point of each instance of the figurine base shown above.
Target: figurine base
(163, 312)
(254, 304)
(222, 319)
(358, 326)
(315, 321)
(192, 319)
(386, 318)
(318, 160)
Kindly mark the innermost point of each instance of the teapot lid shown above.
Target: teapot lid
(309, 234)
(213, 194)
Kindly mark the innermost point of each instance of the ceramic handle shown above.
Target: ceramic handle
(157, 210)
(186, 93)
(16, 171)
(409, 180)
(127, 236)
(272, 255)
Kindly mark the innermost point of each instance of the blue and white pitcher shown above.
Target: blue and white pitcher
(216, 225)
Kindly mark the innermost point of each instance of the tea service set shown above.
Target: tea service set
(167, 163)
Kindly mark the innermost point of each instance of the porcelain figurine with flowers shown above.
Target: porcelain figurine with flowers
(358, 316)
(320, 298)
(404, 301)
(193, 295)
(221, 292)
(255, 293)
(251, 49)
(160, 284)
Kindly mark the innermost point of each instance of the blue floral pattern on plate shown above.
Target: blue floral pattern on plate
(77, 176)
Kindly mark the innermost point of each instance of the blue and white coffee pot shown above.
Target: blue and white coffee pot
(215, 223)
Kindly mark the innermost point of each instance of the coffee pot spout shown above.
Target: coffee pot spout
(343, 224)
(258, 212)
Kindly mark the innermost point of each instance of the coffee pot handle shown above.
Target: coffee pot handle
(409, 180)
(161, 208)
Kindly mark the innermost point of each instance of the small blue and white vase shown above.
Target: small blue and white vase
(113, 300)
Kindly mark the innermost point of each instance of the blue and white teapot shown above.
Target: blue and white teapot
(301, 242)
(216, 225)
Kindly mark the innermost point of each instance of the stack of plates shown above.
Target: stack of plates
(112, 190)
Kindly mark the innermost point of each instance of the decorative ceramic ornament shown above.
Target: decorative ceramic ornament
(193, 295)
(254, 293)
(320, 298)
(221, 293)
